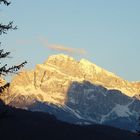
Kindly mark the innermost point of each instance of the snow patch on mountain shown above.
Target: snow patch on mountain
(122, 110)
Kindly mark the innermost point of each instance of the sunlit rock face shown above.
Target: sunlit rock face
(76, 92)
(2, 81)
(50, 81)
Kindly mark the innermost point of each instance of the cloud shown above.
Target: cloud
(24, 42)
(43, 41)
(61, 48)
(67, 49)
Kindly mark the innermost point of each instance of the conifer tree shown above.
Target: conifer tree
(4, 69)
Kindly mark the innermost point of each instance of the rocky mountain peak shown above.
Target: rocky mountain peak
(59, 58)
(89, 67)
(76, 92)
(50, 81)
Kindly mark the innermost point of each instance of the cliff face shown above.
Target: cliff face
(2, 81)
(50, 81)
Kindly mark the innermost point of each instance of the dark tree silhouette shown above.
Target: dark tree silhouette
(138, 131)
(5, 2)
(4, 69)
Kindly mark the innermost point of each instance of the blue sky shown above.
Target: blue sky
(106, 32)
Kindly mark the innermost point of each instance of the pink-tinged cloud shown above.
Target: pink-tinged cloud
(61, 48)
(24, 42)
(67, 49)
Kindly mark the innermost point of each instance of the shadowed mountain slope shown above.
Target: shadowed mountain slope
(87, 103)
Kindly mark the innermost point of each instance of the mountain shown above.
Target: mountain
(78, 92)
(2, 81)
(21, 124)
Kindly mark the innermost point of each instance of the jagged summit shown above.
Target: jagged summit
(86, 65)
(52, 79)
(60, 57)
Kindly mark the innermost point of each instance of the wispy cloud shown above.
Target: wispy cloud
(67, 49)
(62, 48)
(24, 42)
(54, 47)
(43, 41)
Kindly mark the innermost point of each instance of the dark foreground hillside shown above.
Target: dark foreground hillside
(24, 125)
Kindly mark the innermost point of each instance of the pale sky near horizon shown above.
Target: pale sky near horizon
(106, 32)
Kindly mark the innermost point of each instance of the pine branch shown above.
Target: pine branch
(13, 69)
(2, 88)
(5, 2)
(4, 54)
(5, 28)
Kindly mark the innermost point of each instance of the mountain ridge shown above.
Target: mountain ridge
(76, 92)
(82, 70)
(52, 79)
